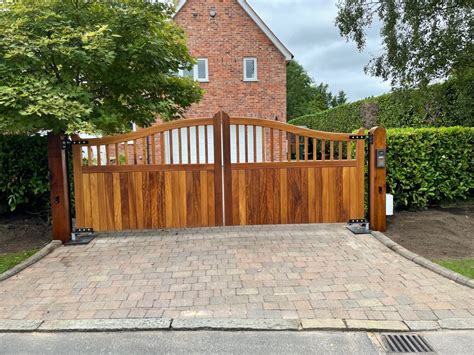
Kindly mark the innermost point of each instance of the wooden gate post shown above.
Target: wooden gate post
(219, 193)
(378, 179)
(58, 177)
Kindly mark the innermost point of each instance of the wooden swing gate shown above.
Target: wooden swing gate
(218, 171)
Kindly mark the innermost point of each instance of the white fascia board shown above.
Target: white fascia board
(265, 29)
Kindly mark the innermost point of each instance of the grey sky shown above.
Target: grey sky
(307, 28)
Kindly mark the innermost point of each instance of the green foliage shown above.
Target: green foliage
(423, 40)
(427, 166)
(447, 104)
(304, 96)
(24, 172)
(84, 66)
(463, 266)
(10, 260)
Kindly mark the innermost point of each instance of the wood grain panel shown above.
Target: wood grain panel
(110, 205)
(147, 210)
(169, 207)
(193, 199)
(145, 195)
(204, 198)
(94, 203)
(211, 206)
(283, 196)
(297, 195)
(125, 215)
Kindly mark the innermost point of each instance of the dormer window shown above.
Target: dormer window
(250, 69)
(200, 71)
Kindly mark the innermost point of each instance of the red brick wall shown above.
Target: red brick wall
(225, 40)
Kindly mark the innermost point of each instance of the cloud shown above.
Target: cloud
(307, 28)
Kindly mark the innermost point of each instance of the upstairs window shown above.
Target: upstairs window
(200, 71)
(250, 69)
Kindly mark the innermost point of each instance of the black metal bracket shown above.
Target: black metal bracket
(369, 138)
(358, 137)
(81, 236)
(83, 230)
(67, 143)
(357, 221)
(359, 226)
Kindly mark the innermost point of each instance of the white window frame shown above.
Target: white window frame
(245, 69)
(196, 71)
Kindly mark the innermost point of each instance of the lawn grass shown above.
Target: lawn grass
(463, 266)
(7, 261)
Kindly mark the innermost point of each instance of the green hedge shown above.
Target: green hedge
(440, 105)
(24, 182)
(427, 166)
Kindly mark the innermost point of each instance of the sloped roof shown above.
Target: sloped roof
(259, 22)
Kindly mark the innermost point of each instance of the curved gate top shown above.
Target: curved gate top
(218, 171)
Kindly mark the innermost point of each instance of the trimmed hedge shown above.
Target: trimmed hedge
(440, 105)
(427, 166)
(24, 182)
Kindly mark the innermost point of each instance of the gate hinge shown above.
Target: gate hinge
(358, 137)
(83, 230)
(68, 143)
(369, 138)
(357, 221)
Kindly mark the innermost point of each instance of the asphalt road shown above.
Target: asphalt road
(453, 343)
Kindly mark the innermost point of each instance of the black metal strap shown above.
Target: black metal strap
(357, 221)
(68, 143)
(83, 230)
(369, 138)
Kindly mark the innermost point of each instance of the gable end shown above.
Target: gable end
(259, 22)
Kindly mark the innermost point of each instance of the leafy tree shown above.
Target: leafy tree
(83, 66)
(339, 99)
(303, 95)
(423, 40)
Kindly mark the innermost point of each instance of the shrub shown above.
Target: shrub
(427, 166)
(440, 105)
(24, 182)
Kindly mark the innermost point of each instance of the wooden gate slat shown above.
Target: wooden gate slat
(152, 191)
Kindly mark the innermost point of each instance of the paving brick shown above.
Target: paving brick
(285, 272)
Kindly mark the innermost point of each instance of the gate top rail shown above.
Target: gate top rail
(146, 132)
(304, 132)
(199, 141)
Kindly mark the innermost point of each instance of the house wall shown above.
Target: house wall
(225, 40)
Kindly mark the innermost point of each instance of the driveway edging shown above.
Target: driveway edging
(229, 324)
(47, 249)
(417, 259)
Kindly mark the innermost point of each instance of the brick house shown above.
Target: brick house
(241, 67)
(241, 63)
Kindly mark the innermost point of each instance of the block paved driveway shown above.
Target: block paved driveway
(274, 272)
